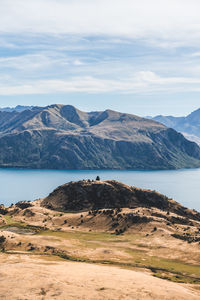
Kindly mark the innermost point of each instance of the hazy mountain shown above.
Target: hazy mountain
(18, 108)
(189, 126)
(64, 137)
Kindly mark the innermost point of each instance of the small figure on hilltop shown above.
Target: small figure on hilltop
(98, 178)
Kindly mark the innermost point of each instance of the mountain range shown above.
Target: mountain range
(63, 137)
(18, 108)
(189, 126)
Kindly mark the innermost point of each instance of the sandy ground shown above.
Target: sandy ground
(32, 277)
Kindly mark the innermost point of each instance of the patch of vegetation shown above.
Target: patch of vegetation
(3, 210)
(177, 278)
(28, 213)
(23, 204)
(2, 241)
(20, 225)
(12, 222)
(174, 270)
(186, 237)
(189, 274)
(77, 235)
(159, 265)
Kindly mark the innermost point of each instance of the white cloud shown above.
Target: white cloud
(25, 62)
(195, 54)
(77, 62)
(161, 21)
(35, 61)
(151, 78)
(141, 82)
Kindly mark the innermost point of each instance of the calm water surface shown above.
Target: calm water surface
(181, 185)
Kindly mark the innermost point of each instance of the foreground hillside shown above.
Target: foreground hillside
(60, 243)
(63, 137)
(45, 278)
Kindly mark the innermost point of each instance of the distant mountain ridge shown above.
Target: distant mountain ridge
(189, 126)
(63, 137)
(17, 108)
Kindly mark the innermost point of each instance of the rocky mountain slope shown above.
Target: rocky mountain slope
(64, 137)
(189, 126)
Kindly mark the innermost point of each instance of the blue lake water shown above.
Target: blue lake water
(181, 185)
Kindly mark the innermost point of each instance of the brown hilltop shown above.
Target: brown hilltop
(87, 195)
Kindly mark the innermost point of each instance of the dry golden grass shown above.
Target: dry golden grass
(45, 254)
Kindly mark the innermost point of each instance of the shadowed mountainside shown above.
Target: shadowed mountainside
(63, 137)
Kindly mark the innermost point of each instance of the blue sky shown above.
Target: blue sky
(141, 57)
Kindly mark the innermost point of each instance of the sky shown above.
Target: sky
(140, 57)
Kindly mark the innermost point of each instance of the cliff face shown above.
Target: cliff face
(63, 137)
(94, 195)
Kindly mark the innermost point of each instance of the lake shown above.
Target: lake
(20, 184)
